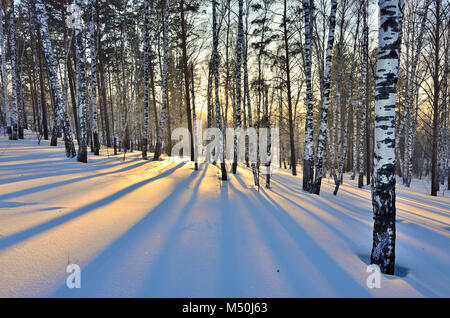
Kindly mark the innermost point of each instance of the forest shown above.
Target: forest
(347, 99)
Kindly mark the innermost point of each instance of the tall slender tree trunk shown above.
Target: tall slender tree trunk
(347, 110)
(4, 76)
(308, 156)
(435, 148)
(249, 106)
(364, 72)
(81, 87)
(146, 60)
(93, 48)
(164, 82)
(216, 91)
(186, 82)
(325, 102)
(41, 16)
(383, 196)
(288, 86)
(240, 38)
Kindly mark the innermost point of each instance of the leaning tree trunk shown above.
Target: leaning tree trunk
(41, 16)
(81, 87)
(216, 91)
(5, 90)
(93, 47)
(164, 82)
(308, 156)
(325, 102)
(383, 197)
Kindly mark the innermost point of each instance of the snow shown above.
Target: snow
(161, 229)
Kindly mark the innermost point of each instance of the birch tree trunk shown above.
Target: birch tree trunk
(164, 82)
(444, 120)
(41, 16)
(4, 76)
(347, 110)
(383, 196)
(186, 83)
(93, 48)
(288, 86)
(407, 174)
(146, 80)
(81, 87)
(325, 101)
(240, 39)
(364, 70)
(436, 88)
(15, 104)
(269, 137)
(308, 156)
(216, 90)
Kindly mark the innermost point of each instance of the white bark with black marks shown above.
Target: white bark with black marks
(383, 196)
(41, 17)
(325, 102)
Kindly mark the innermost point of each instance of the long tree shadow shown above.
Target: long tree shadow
(338, 278)
(40, 170)
(48, 186)
(35, 230)
(97, 271)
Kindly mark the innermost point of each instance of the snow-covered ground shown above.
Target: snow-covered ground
(161, 229)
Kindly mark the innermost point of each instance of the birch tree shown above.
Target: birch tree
(408, 112)
(383, 196)
(186, 83)
(248, 101)
(325, 102)
(347, 109)
(308, 156)
(240, 39)
(81, 85)
(5, 88)
(364, 71)
(164, 82)
(146, 79)
(41, 17)
(216, 90)
(15, 81)
(93, 49)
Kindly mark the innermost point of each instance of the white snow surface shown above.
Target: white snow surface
(161, 229)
